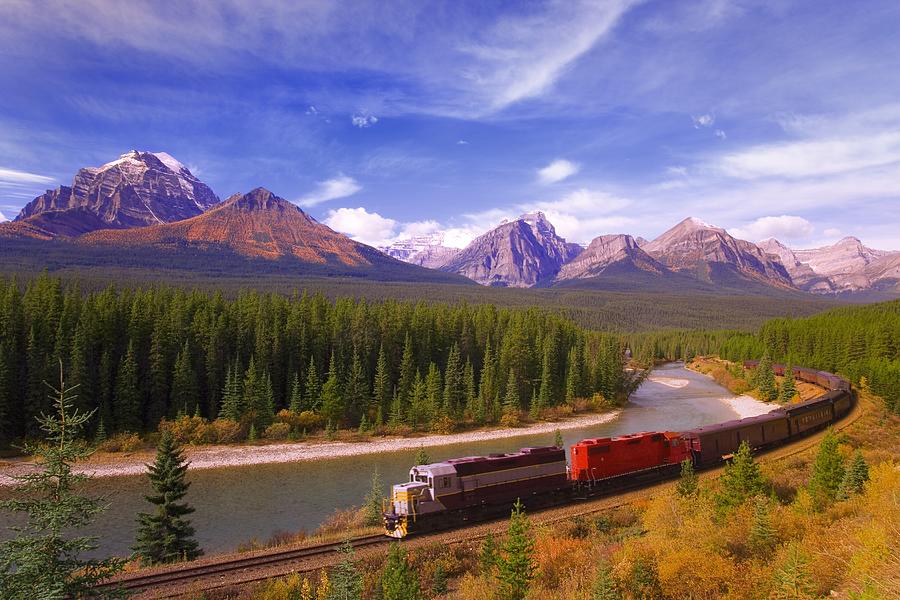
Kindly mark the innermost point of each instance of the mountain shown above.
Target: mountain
(262, 229)
(845, 263)
(425, 250)
(519, 253)
(712, 255)
(609, 252)
(135, 190)
(801, 273)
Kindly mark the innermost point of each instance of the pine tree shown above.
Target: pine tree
(373, 501)
(765, 379)
(473, 406)
(333, 406)
(828, 470)
(558, 439)
(312, 391)
(128, 397)
(233, 394)
(487, 558)
(515, 564)
(407, 374)
(763, 536)
(487, 384)
(545, 395)
(434, 387)
(604, 587)
(357, 390)
(855, 477)
(511, 401)
(185, 389)
(399, 581)
(296, 402)
(792, 579)
(573, 382)
(346, 579)
(164, 535)
(788, 387)
(422, 457)
(42, 560)
(453, 383)
(688, 483)
(382, 384)
(742, 479)
(439, 580)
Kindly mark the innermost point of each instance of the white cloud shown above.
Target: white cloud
(331, 189)
(783, 228)
(813, 157)
(3, 217)
(557, 171)
(832, 232)
(720, 134)
(12, 176)
(362, 121)
(361, 225)
(703, 121)
(462, 143)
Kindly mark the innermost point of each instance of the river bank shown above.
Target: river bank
(212, 457)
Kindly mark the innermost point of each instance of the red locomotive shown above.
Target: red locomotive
(601, 458)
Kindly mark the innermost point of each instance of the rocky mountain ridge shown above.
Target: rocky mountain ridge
(137, 189)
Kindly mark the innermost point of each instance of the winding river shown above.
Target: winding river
(236, 504)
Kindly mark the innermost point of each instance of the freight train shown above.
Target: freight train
(458, 491)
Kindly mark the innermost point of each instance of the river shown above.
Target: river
(236, 504)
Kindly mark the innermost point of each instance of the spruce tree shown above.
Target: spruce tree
(788, 387)
(399, 581)
(333, 407)
(765, 379)
(855, 477)
(382, 384)
(473, 406)
(828, 470)
(558, 439)
(296, 401)
(545, 395)
(372, 505)
(185, 389)
(233, 394)
(312, 389)
(515, 564)
(604, 587)
(453, 383)
(487, 384)
(573, 383)
(792, 579)
(688, 483)
(165, 535)
(42, 560)
(487, 557)
(407, 373)
(346, 580)
(422, 457)
(741, 480)
(434, 387)
(763, 536)
(511, 401)
(127, 406)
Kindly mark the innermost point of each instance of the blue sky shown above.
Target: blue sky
(388, 119)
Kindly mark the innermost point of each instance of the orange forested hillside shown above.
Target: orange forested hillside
(258, 224)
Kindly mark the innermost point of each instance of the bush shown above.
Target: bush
(277, 431)
(308, 421)
(510, 419)
(189, 430)
(228, 431)
(443, 425)
(122, 442)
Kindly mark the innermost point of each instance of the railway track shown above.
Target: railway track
(204, 575)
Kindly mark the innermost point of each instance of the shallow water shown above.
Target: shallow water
(236, 504)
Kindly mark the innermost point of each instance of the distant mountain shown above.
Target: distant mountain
(609, 252)
(519, 253)
(135, 190)
(261, 225)
(847, 266)
(712, 255)
(426, 250)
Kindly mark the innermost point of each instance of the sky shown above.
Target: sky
(391, 119)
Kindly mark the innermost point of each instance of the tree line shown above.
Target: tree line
(141, 355)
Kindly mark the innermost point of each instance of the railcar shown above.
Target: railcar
(712, 443)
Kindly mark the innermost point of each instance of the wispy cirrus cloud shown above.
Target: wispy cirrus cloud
(13, 176)
(331, 189)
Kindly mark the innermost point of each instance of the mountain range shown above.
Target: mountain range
(146, 207)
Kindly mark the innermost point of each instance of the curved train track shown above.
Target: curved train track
(209, 574)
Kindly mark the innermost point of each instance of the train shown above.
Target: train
(459, 491)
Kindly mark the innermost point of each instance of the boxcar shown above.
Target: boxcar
(710, 443)
(810, 415)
